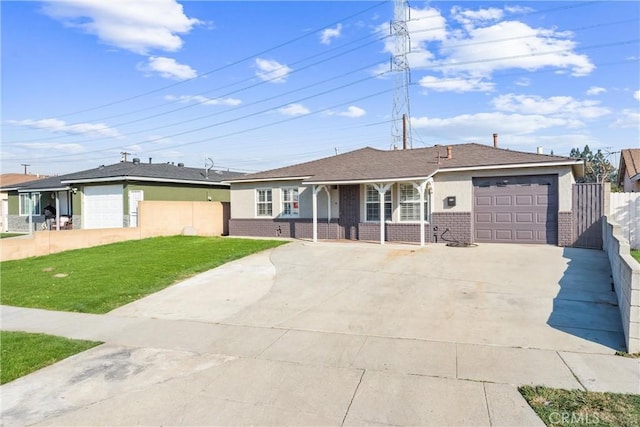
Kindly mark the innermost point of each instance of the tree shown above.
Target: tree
(596, 166)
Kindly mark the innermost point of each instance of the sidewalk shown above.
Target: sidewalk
(161, 371)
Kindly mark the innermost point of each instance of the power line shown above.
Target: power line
(239, 61)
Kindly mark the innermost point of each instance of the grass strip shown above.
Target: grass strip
(557, 407)
(102, 278)
(23, 353)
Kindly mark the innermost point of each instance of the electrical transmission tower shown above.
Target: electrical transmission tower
(400, 132)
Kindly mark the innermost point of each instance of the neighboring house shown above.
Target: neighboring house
(10, 180)
(476, 192)
(629, 170)
(107, 196)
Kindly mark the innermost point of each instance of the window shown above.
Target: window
(373, 204)
(410, 203)
(290, 202)
(29, 202)
(265, 203)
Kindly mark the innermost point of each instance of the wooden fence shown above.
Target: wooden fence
(588, 209)
(625, 210)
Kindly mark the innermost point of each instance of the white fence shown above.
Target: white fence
(625, 210)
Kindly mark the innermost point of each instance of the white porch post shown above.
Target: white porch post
(421, 187)
(382, 189)
(57, 212)
(314, 197)
(429, 187)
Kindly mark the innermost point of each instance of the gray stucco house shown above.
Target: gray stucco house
(465, 192)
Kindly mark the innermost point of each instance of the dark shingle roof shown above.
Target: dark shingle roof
(128, 171)
(151, 170)
(370, 163)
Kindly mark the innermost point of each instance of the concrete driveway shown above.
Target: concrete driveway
(339, 333)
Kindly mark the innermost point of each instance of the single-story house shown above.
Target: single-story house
(629, 170)
(466, 193)
(107, 196)
(8, 180)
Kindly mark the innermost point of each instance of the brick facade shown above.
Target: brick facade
(300, 228)
(565, 229)
(458, 223)
(393, 232)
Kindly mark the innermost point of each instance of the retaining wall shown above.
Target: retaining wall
(626, 278)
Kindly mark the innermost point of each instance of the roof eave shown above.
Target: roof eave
(574, 164)
(286, 178)
(38, 189)
(368, 180)
(141, 178)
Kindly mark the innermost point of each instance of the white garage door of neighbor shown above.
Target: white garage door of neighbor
(103, 207)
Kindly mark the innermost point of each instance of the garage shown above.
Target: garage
(516, 209)
(103, 206)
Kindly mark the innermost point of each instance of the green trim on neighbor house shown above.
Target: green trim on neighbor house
(177, 192)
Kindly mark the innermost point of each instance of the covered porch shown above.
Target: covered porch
(394, 209)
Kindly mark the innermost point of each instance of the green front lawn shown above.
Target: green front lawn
(7, 235)
(23, 353)
(636, 254)
(583, 408)
(99, 279)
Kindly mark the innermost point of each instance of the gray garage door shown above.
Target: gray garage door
(520, 209)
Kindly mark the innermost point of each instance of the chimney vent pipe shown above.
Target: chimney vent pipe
(540, 150)
(495, 140)
(449, 152)
(150, 160)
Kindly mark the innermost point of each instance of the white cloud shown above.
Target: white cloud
(561, 106)
(519, 46)
(62, 148)
(199, 99)
(55, 125)
(627, 119)
(482, 124)
(518, 9)
(456, 84)
(524, 82)
(469, 17)
(294, 110)
(138, 26)
(272, 71)
(636, 95)
(484, 44)
(352, 112)
(168, 68)
(330, 33)
(595, 90)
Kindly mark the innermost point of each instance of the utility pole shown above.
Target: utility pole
(124, 156)
(400, 133)
(25, 167)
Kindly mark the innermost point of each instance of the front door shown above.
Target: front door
(349, 210)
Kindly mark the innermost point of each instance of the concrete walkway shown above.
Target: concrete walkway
(289, 336)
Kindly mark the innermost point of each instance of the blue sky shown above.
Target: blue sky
(255, 85)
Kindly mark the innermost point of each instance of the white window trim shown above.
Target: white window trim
(283, 201)
(375, 221)
(400, 202)
(30, 196)
(257, 200)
